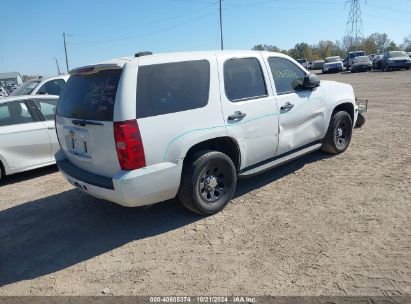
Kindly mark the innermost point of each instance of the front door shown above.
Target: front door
(24, 141)
(249, 107)
(301, 112)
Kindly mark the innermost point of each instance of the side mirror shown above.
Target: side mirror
(311, 81)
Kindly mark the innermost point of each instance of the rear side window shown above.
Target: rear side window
(90, 96)
(47, 107)
(243, 79)
(14, 113)
(52, 87)
(172, 87)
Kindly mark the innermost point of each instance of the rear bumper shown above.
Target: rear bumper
(140, 187)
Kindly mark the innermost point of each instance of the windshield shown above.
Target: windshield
(355, 54)
(332, 59)
(397, 54)
(26, 88)
(301, 60)
(361, 58)
(90, 96)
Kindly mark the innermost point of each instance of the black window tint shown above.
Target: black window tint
(90, 96)
(52, 87)
(172, 87)
(47, 107)
(285, 74)
(14, 113)
(243, 79)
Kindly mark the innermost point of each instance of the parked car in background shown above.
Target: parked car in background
(317, 65)
(42, 86)
(376, 63)
(395, 60)
(372, 56)
(3, 92)
(27, 133)
(332, 64)
(303, 62)
(143, 130)
(361, 64)
(349, 60)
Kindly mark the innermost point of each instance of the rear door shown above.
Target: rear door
(301, 112)
(46, 107)
(24, 140)
(85, 120)
(249, 107)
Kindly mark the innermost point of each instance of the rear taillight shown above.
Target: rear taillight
(130, 150)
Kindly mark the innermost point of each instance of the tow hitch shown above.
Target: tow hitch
(362, 109)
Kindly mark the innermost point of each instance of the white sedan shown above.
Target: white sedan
(42, 86)
(27, 133)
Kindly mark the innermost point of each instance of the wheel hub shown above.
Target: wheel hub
(211, 182)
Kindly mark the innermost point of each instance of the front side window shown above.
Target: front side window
(285, 74)
(172, 87)
(243, 79)
(52, 87)
(14, 113)
(47, 107)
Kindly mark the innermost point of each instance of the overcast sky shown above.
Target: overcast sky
(98, 30)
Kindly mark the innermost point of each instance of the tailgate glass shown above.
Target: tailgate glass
(90, 96)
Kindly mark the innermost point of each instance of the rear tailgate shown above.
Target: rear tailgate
(84, 120)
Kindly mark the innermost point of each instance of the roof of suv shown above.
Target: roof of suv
(120, 62)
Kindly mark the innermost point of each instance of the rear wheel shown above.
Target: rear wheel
(339, 133)
(208, 182)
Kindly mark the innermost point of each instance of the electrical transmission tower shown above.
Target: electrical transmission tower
(353, 30)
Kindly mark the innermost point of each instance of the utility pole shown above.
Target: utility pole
(353, 30)
(65, 51)
(58, 67)
(221, 27)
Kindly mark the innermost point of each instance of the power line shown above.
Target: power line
(146, 33)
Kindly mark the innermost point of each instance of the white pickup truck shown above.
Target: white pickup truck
(141, 130)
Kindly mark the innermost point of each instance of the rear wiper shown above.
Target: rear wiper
(85, 122)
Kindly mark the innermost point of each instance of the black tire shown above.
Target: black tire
(208, 182)
(339, 133)
(407, 68)
(2, 173)
(360, 121)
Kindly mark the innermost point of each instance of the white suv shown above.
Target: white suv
(137, 131)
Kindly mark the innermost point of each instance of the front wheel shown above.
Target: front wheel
(208, 182)
(339, 133)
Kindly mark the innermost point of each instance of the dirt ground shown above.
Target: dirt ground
(317, 226)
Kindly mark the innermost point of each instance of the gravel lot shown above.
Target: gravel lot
(317, 226)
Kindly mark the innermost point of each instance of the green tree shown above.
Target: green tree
(264, 47)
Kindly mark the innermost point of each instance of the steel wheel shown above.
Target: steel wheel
(341, 134)
(213, 181)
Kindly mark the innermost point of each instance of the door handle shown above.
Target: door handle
(288, 106)
(237, 116)
(51, 128)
